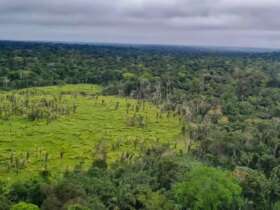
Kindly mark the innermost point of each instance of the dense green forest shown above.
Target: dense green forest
(225, 106)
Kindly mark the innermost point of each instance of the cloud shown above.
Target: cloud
(251, 23)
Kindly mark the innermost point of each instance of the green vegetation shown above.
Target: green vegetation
(196, 191)
(147, 127)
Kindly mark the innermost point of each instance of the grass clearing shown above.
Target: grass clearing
(117, 126)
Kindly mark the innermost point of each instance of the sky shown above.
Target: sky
(230, 23)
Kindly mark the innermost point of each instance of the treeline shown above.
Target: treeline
(159, 179)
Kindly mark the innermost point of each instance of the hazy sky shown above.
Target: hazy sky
(252, 23)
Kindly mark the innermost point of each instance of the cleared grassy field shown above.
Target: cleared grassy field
(100, 125)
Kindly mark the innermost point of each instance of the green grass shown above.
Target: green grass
(82, 89)
(77, 135)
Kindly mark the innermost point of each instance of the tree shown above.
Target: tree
(256, 188)
(155, 201)
(206, 188)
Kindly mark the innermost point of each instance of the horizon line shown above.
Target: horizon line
(221, 47)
